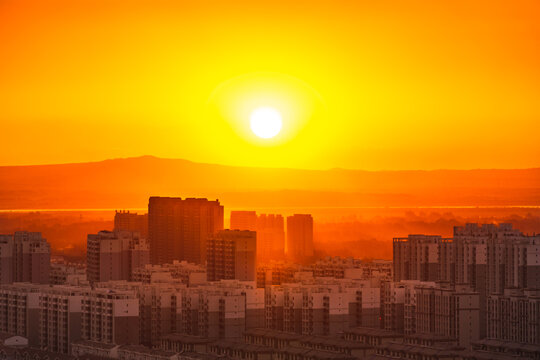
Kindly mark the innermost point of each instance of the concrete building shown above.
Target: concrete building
(398, 305)
(300, 237)
(120, 352)
(514, 316)
(243, 220)
(488, 258)
(322, 306)
(449, 312)
(416, 257)
(52, 317)
(276, 273)
(160, 307)
(422, 348)
(371, 336)
(179, 228)
(179, 271)
(115, 255)
(492, 258)
(232, 254)
(335, 267)
(182, 343)
(414, 307)
(215, 310)
(128, 221)
(24, 257)
(20, 312)
(270, 237)
(67, 274)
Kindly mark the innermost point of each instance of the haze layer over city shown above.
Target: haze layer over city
(271, 180)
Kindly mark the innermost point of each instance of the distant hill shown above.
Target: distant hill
(127, 183)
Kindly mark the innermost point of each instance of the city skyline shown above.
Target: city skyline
(269, 180)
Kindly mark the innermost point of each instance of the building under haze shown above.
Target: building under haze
(270, 232)
(243, 220)
(114, 255)
(232, 255)
(300, 237)
(270, 237)
(179, 228)
(24, 257)
(125, 220)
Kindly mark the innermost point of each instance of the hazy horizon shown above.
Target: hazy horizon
(267, 167)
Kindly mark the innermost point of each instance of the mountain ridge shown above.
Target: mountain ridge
(128, 182)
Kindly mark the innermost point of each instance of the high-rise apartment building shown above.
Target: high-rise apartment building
(179, 228)
(489, 258)
(128, 221)
(243, 220)
(114, 255)
(24, 257)
(322, 307)
(417, 257)
(514, 316)
(52, 317)
(232, 254)
(300, 237)
(270, 237)
(452, 312)
(217, 310)
(270, 232)
(492, 258)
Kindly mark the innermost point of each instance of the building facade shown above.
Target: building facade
(232, 254)
(24, 257)
(114, 255)
(300, 237)
(178, 229)
(128, 221)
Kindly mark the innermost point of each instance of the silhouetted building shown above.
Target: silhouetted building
(115, 255)
(232, 255)
(24, 257)
(243, 220)
(125, 220)
(270, 237)
(178, 229)
(300, 237)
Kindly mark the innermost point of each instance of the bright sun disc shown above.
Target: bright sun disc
(265, 122)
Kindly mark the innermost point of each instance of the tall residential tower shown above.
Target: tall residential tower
(179, 228)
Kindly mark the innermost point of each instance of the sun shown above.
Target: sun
(265, 122)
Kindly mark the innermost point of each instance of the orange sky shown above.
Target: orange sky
(362, 84)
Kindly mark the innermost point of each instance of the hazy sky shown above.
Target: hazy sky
(361, 84)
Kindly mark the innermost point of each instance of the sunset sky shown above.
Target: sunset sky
(360, 84)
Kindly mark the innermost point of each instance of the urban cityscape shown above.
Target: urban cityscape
(269, 180)
(173, 283)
